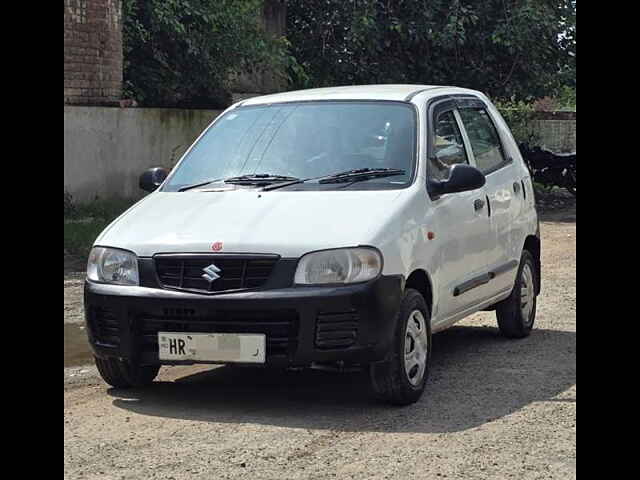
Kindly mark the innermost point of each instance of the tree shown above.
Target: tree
(507, 48)
(181, 53)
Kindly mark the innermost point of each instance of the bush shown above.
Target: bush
(523, 50)
(84, 222)
(520, 118)
(181, 53)
(69, 207)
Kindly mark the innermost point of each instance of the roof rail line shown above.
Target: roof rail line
(410, 96)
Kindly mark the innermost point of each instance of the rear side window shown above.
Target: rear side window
(448, 146)
(484, 139)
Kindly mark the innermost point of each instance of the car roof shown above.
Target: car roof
(402, 93)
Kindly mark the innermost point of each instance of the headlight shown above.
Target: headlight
(345, 265)
(110, 265)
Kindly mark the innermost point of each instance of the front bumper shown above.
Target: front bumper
(303, 325)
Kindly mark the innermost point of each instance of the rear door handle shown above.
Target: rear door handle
(516, 187)
(478, 204)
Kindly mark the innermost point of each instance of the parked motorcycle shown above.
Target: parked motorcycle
(551, 169)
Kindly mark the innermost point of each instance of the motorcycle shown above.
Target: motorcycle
(551, 169)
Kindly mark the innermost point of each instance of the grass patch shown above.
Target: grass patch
(79, 236)
(84, 222)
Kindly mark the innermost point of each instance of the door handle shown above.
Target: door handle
(516, 187)
(478, 204)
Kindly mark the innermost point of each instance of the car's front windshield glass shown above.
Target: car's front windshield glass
(304, 140)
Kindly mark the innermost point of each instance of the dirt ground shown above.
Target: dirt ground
(494, 408)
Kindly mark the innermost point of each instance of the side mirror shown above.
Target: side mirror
(153, 178)
(462, 178)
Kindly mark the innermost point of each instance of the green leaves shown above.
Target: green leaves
(181, 53)
(505, 48)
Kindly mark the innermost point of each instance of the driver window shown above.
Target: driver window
(448, 147)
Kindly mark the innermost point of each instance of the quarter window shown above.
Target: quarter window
(484, 139)
(448, 147)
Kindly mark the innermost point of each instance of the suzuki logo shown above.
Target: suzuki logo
(211, 273)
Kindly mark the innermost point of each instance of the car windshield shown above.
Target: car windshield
(304, 140)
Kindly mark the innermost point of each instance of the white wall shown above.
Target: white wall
(106, 149)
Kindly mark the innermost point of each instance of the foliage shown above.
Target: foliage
(69, 207)
(522, 50)
(181, 53)
(520, 118)
(79, 236)
(97, 208)
(544, 104)
(84, 222)
(566, 99)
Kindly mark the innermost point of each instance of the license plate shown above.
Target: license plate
(212, 347)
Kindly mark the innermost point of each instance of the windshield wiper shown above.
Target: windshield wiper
(361, 174)
(349, 176)
(259, 179)
(196, 185)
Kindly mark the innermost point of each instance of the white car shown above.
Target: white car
(327, 227)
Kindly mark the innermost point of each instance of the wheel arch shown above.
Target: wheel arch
(420, 280)
(532, 245)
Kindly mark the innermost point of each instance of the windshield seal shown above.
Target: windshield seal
(383, 185)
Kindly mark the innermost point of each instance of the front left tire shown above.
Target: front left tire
(122, 374)
(401, 378)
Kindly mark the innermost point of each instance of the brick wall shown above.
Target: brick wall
(557, 135)
(92, 52)
(557, 130)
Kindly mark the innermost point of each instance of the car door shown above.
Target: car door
(503, 189)
(460, 220)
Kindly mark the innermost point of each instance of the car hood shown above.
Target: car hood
(247, 221)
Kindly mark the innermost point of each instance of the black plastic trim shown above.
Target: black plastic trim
(281, 275)
(375, 303)
(212, 257)
(484, 278)
(471, 284)
(504, 268)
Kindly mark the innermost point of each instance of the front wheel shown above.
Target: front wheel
(517, 312)
(401, 378)
(121, 374)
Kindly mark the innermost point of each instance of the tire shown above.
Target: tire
(121, 374)
(515, 317)
(389, 379)
(571, 187)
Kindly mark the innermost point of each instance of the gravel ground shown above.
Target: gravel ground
(494, 408)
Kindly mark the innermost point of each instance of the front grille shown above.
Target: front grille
(183, 272)
(336, 330)
(104, 324)
(279, 326)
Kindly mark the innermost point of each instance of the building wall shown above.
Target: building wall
(106, 149)
(557, 135)
(92, 52)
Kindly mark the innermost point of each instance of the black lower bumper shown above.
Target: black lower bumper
(303, 325)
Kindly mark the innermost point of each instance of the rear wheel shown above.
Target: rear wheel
(517, 313)
(401, 378)
(121, 374)
(571, 181)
